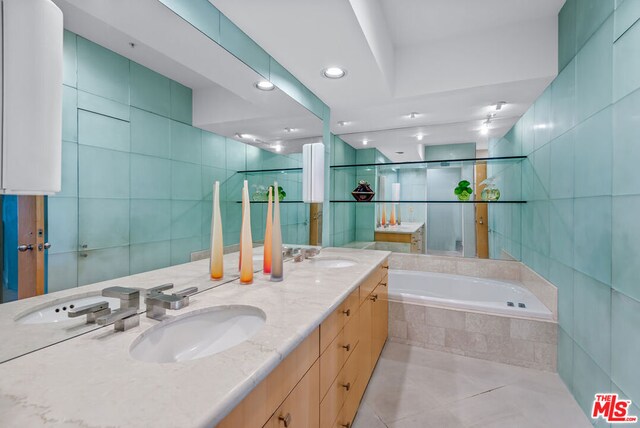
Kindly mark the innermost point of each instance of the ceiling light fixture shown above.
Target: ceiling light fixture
(419, 137)
(343, 123)
(413, 115)
(365, 142)
(264, 85)
(500, 104)
(334, 73)
(399, 153)
(290, 130)
(243, 136)
(278, 147)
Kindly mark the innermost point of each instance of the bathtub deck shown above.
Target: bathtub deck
(414, 387)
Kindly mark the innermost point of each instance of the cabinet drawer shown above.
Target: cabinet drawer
(350, 407)
(332, 325)
(336, 354)
(342, 387)
(301, 409)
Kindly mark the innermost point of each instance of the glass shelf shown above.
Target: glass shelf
(271, 171)
(282, 202)
(434, 163)
(353, 201)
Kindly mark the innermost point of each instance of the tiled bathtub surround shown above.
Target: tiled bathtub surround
(518, 341)
(546, 292)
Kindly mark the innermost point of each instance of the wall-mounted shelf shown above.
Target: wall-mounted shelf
(264, 202)
(346, 201)
(271, 171)
(435, 163)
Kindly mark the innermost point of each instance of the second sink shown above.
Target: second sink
(198, 334)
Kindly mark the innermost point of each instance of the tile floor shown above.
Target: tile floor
(416, 387)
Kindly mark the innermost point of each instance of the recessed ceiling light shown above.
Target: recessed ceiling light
(399, 153)
(265, 85)
(365, 142)
(334, 73)
(413, 115)
(290, 130)
(243, 136)
(419, 137)
(500, 104)
(485, 127)
(277, 147)
(343, 123)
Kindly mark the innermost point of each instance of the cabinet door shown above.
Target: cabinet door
(301, 409)
(366, 331)
(380, 320)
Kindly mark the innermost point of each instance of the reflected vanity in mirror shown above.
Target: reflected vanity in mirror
(148, 128)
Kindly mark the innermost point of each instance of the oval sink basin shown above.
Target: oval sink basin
(56, 311)
(198, 334)
(331, 262)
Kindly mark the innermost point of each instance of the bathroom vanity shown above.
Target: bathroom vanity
(403, 238)
(306, 365)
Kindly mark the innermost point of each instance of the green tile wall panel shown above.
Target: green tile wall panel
(186, 181)
(594, 73)
(102, 173)
(565, 358)
(181, 249)
(566, 33)
(561, 175)
(103, 106)
(103, 131)
(150, 220)
(150, 177)
(209, 176)
(590, 14)
(235, 155)
(181, 103)
(150, 91)
(213, 150)
(561, 231)
(286, 82)
(70, 59)
(186, 143)
(69, 114)
(625, 15)
(592, 319)
(150, 256)
(625, 345)
(101, 265)
(626, 150)
(102, 72)
(62, 270)
(253, 158)
(199, 13)
(562, 276)
(150, 134)
(626, 63)
(186, 218)
(63, 225)
(542, 119)
(593, 155)
(103, 223)
(69, 170)
(242, 47)
(541, 162)
(592, 237)
(626, 245)
(563, 100)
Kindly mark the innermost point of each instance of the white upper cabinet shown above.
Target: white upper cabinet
(31, 76)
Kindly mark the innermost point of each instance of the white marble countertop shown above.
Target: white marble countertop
(403, 228)
(91, 380)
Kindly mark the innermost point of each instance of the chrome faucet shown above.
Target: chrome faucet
(92, 311)
(157, 302)
(127, 316)
(299, 254)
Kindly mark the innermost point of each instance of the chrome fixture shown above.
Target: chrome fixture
(413, 115)
(92, 311)
(299, 254)
(157, 302)
(127, 316)
(500, 104)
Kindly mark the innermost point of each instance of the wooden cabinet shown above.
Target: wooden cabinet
(321, 383)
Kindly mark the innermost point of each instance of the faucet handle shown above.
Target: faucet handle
(123, 319)
(160, 288)
(186, 292)
(122, 293)
(92, 311)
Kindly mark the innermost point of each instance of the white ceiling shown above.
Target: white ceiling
(446, 59)
(224, 97)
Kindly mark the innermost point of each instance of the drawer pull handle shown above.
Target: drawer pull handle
(385, 267)
(374, 297)
(286, 419)
(346, 386)
(347, 347)
(347, 312)
(347, 425)
(384, 284)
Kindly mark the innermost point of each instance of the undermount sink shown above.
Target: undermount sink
(332, 262)
(198, 334)
(56, 311)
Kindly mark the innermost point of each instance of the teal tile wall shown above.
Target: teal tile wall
(137, 178)
(593, 196)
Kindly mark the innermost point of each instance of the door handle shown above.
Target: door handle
(47, 245)
(22, 248)
(481, 221)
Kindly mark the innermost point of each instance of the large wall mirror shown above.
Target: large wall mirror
(151, 120)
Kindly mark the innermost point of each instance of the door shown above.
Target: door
(24, 247)
(482, 211)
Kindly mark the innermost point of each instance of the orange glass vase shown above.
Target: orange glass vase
(216, 265)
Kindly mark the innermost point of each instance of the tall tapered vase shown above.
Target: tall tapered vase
(244, 202)
(246, 255)
(276, 242)
(392, 219)
(268, 251)
(217, 247)
(384, 215)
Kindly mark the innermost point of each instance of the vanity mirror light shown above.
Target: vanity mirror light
(150, 121)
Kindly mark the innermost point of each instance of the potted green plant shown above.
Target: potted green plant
(281, 193)
(463, 191)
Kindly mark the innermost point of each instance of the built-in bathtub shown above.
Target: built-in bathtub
(472, 316)
(465, 292)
